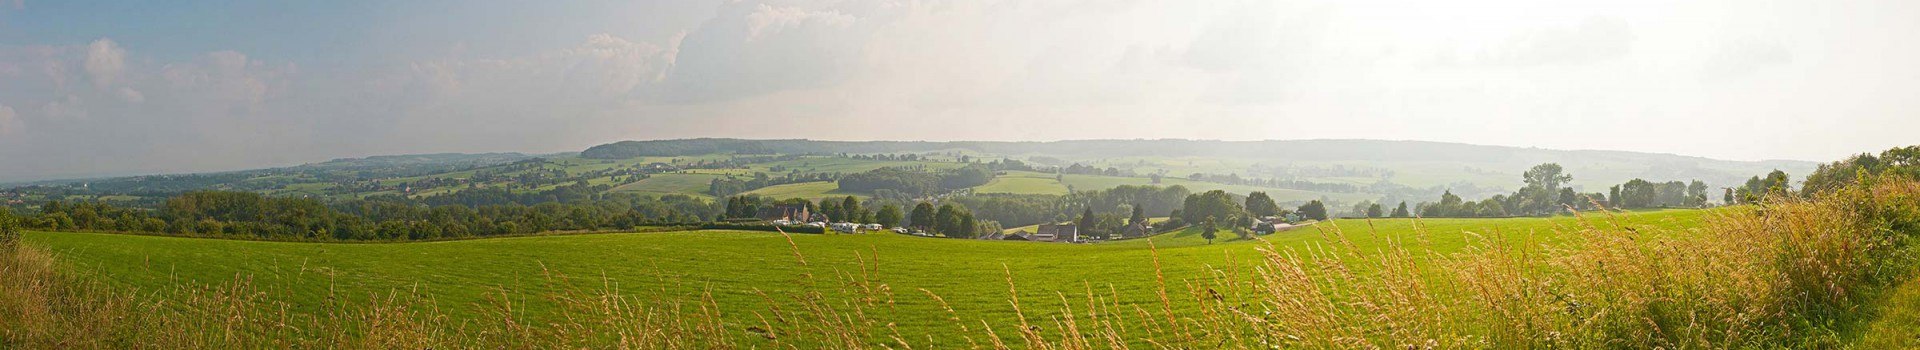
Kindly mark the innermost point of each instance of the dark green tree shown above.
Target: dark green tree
(1208, 229)
(1696, 194)
(1542, 193)
(1613, 196)
(831, 210)
(1777, 182)
(954, 221)
(854, 213)
(1259, 204)
(1215, 203)
(888, 216)
(1401, 211)
(1374, 211)
(1089, 224)
(1314, 209)
(922, 216)
(1139, 215)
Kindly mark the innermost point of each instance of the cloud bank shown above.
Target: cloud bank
(1631, 75)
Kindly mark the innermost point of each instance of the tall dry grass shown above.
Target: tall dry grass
(1787, 274)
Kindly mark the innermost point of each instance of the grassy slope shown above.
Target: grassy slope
(1896, 323)
(808, 190)
(687, 184)
(967, 273)
(844, 165)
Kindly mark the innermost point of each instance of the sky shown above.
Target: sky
(97, 88)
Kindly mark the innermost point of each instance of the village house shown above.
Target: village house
(788, 212)
(1136, 230)
(1020, 235)
(1056, 233)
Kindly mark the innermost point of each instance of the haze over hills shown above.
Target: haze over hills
(1658, 165)
(1471, 170)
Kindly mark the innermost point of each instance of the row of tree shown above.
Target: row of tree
(388, 218)
(1545, 193)
(916, 182)
(1642, 194)
(732, 185)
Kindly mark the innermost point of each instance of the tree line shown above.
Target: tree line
(384, 218)
(1546, 193)
(731, 185)
(916, 182)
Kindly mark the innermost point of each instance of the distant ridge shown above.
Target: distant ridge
(1323, 149)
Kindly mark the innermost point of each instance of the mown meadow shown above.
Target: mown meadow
(1788, 274)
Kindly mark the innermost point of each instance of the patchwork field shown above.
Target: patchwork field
(971, 276)
(661, 184)
(1027, 182)
(808, 190)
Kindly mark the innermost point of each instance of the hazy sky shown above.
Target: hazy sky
(125, 87)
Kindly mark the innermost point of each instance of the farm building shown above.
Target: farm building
(788, 212)
(1056, 233)
(1003, 236)
(1136, 230)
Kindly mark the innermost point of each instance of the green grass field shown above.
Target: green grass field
(817, 164)
(659, 184)
(1022, 182)
(808, 190)
(969, 274)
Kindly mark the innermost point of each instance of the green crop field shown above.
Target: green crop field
(1023, 182)
(808, 190)
(816, 164)
(659, 184)
(970, 275)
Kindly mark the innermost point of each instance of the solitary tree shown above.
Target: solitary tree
(1401, 211)
(1207, 230)
(1374, 210)
(1543, 187)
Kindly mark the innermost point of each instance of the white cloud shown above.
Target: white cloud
(752, 48)
(129, 95)
(224, 107)
(225, 79)
(9, 121)
(1594, 39)
(106, 60)
(69, 107)
(1740, 58)
(1629, 74)
(769, 19)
